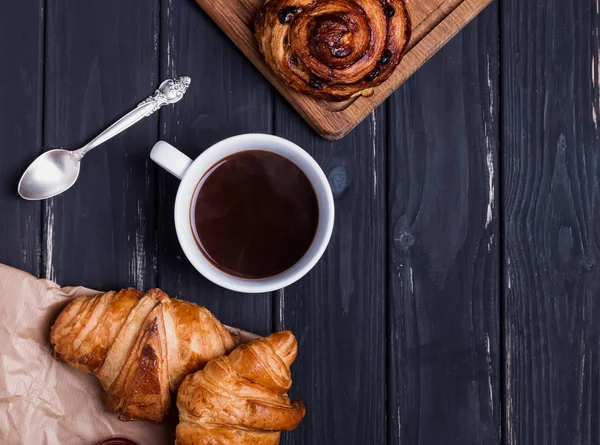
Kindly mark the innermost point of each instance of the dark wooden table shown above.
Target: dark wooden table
(459, 299)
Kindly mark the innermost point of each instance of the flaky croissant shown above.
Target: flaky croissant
(140, 346)
(241, 399)
(333, 49)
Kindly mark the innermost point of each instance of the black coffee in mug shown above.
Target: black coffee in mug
(255, 214)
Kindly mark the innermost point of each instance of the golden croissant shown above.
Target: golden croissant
(140, 346)
(241, 399)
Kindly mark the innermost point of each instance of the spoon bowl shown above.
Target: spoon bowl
(49, 175)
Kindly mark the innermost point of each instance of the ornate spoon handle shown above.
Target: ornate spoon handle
(169, 92)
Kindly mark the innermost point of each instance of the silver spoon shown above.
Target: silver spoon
(57, 170)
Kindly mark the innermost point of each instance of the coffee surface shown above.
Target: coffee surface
(255, 214)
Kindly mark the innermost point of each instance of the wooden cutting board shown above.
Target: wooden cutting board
(434, 22)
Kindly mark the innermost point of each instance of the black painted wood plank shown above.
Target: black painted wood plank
(551, 197)
(21, 80)
(227, 96)
(337, 310)
(101, 60)
(443, 276)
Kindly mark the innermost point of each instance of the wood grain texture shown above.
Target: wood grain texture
(443, 269)
(551, 199)
(226, 97)
(399, 325)
(337, 310)
(101, 60)
(435, 22)
(21, 81)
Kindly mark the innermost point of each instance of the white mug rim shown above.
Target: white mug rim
(235, 144)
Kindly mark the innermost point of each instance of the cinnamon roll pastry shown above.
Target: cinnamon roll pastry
(333, 49)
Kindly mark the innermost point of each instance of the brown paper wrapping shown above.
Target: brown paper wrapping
(43, 401)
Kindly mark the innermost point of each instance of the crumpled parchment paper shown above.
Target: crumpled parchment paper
(43, 401)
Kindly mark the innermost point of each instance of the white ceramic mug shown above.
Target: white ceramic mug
(190, 172)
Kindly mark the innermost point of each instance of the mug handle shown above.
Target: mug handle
(169, 158)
